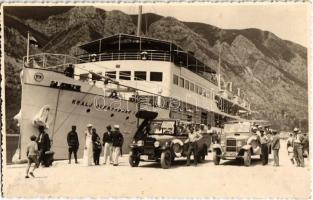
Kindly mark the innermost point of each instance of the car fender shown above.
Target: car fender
(246, 147)
(217, 147)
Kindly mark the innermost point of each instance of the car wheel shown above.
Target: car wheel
(166, 159)
(201, 156)
(134, 160)
(216, 158)
(247, 158)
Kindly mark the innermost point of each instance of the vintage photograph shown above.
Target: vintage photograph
(176, 100)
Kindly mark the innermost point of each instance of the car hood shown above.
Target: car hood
(239, 137)
(162, 137)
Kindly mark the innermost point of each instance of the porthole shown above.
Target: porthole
(127, 118)
(88, 110)
(112, 115)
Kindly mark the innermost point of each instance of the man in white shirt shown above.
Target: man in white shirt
(193, 137)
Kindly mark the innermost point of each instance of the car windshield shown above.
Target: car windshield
(241, 127)
(162, 127)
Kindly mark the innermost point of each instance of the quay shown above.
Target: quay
(230, 179)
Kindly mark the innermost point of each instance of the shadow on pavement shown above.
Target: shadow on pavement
(175, 163)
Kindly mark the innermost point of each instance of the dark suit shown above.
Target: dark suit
(107, 138)
(276, 147)
(117, 139)
(117, 142)
(96, 147)
(107, 143)
(44, 145)
(73, 144)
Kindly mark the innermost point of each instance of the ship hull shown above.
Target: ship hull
(68, 108)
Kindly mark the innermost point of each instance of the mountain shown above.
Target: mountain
(271, 71)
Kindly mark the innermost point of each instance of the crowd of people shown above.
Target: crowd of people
(268, 139)
(38, 150)
(112, 143)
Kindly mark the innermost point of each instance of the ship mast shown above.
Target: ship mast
(219, 67)
(27, 54)
(139, 20)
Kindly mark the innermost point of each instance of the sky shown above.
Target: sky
(288, 21)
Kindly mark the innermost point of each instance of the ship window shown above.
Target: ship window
(187, 84)
(125, 75)
(111, 74)
(204, 92)
(181, 82)
(208, 94)
(196, 88)
(140, 76)
(175, 79)
(156, 76)
(200, 90)
(191, 87)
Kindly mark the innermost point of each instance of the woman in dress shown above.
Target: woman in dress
(88, 151)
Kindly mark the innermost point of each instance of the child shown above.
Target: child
(32, 153)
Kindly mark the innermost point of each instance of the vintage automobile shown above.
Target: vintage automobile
(162, 140)
(238, 142)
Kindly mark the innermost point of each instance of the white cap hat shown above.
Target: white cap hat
(296, 129)
(116, 126)
(89, 125)
(254, 128)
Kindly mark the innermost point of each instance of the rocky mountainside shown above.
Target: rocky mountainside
(271, 71)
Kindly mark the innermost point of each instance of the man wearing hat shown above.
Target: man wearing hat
(107, 143)
(264, 147)
(44, 144)
(73, 144)
(276, 147)
(298, 147)
(117, 142)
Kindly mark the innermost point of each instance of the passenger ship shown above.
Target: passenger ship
(112, 79)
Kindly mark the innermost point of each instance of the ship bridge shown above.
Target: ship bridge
(130, 47)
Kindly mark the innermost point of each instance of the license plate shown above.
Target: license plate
(231, 154)
(144, 157)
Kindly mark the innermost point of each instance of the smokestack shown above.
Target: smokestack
(238, 92)
(139, 20)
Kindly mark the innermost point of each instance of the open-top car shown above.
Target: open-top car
(162, 140)
(238, 142)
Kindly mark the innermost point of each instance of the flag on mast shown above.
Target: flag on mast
(33, 41)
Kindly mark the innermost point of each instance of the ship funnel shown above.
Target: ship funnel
(139, 20)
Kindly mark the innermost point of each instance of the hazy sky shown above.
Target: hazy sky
(289, 21)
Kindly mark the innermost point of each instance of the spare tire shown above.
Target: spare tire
(177, 147)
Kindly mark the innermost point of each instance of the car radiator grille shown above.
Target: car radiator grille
(149, 147)
(231, 145)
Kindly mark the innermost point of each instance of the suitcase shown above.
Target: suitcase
(48, 158)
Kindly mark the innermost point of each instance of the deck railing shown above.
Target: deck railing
(155, 56)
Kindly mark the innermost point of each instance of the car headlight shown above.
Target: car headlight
(222, 143)
(239, 143)
(156, 144)
(140, 143)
